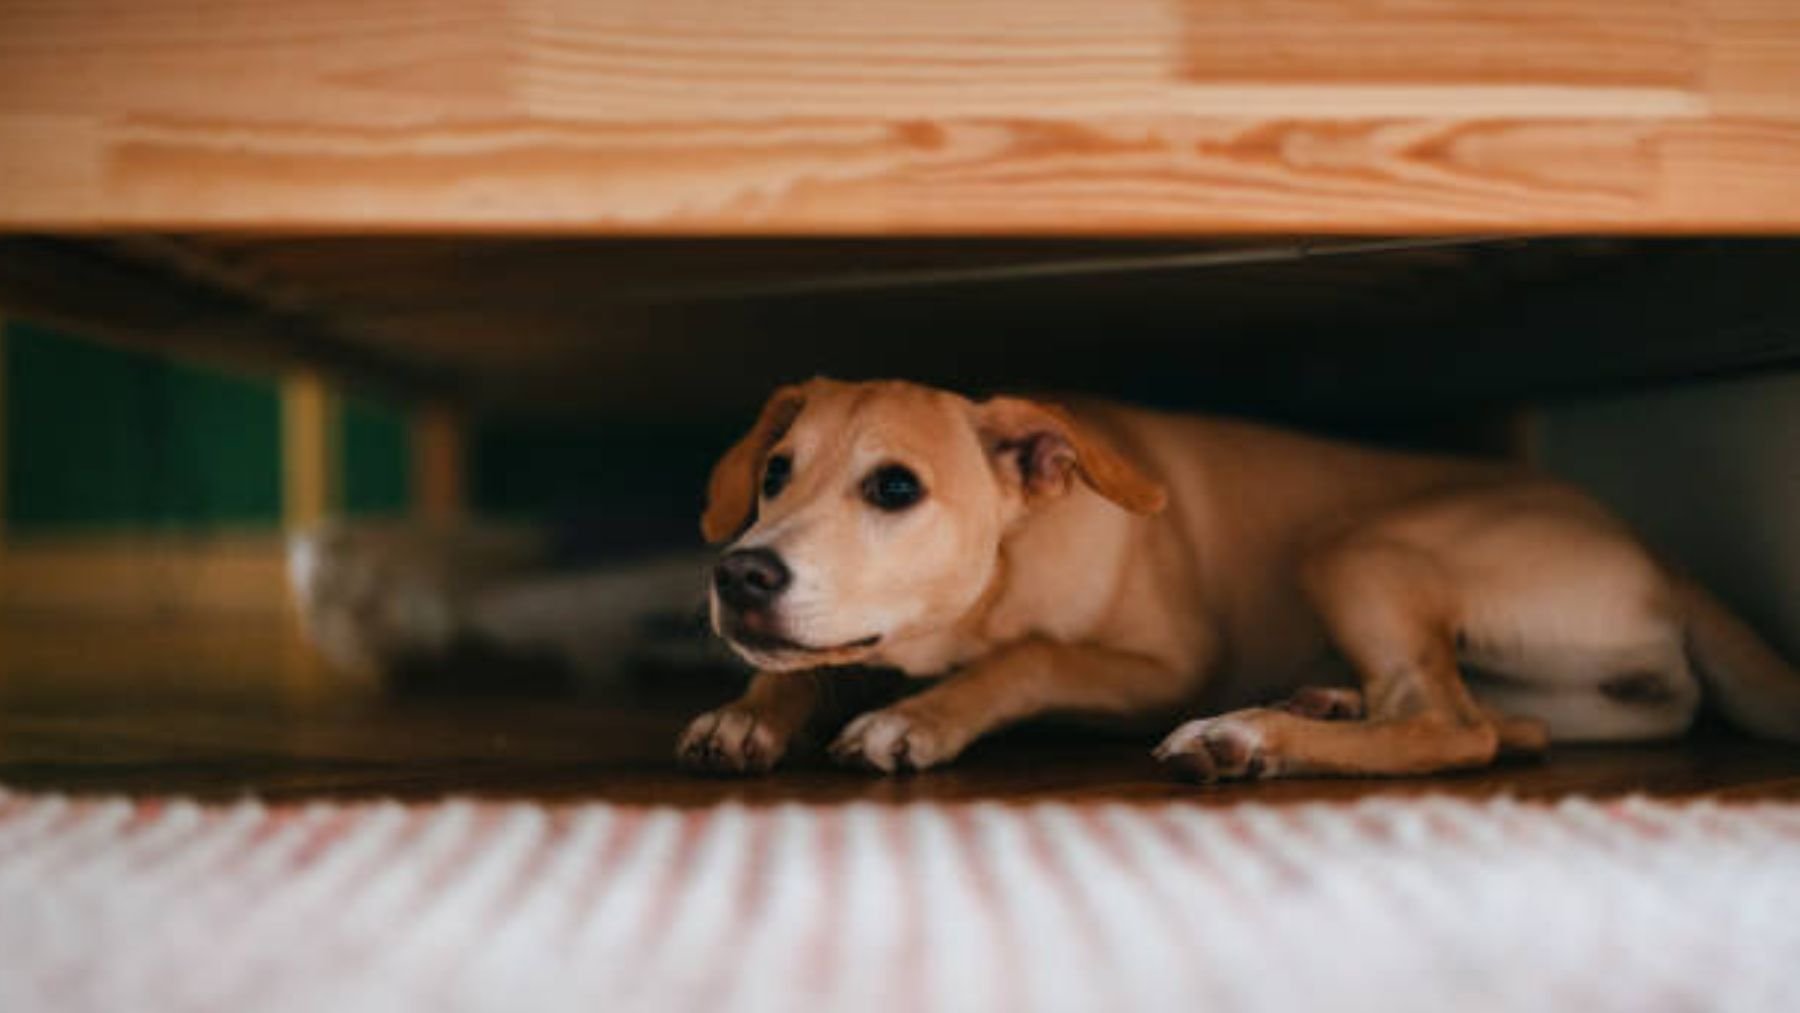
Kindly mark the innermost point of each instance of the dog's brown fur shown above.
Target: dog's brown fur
(1114, 562)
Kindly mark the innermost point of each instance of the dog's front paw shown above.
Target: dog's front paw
(896, 739)
(1228, 747)
(730, 740)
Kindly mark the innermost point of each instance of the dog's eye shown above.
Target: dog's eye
(892, 487)
(775, 475)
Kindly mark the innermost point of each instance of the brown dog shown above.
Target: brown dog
(1119, 563)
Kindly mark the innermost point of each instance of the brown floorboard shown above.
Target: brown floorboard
(590, 752)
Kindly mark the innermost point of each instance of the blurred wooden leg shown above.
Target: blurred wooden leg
(309, 451)
(437, 451)
(309, 483)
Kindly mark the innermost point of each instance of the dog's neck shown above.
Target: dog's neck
(940, 651)
(1045, 582)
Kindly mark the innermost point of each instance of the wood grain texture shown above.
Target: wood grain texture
(1602, 43)
(932, 116)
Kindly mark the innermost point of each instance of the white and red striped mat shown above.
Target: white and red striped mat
(1389, 905)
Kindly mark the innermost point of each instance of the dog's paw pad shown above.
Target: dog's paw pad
(730, 740)
(1217, 749)
(890, 741)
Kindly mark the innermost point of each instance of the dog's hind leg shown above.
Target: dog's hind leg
(1388, 610)
(1518, 736)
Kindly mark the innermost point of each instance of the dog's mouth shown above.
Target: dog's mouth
(753, 635)
(769, 643)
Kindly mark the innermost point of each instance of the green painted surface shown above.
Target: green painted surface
(104, 438)
(377, 458)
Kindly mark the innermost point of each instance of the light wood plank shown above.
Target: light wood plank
(137, 577)
(146, 615)
(805, 116)
(1597, 43)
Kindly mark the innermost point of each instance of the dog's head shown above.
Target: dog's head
(859, 514)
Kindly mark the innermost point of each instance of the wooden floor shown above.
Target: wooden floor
(116, 715)
(608, 753)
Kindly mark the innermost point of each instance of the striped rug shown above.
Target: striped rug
(1392, 905)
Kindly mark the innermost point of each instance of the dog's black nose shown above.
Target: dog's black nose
(749, 578)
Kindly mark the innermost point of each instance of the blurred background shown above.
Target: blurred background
(578, 391)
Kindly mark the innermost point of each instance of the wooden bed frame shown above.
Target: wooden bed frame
(572, 202)
(785, 117)
(156, 151)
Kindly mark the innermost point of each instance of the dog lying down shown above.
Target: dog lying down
(1330, 609)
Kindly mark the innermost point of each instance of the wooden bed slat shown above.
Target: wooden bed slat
(108, 291)
(940, 116)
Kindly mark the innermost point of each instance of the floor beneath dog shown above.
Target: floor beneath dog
(222, 711)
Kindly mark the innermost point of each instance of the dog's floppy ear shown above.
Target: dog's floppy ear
(731, 492)
(1042, 445)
